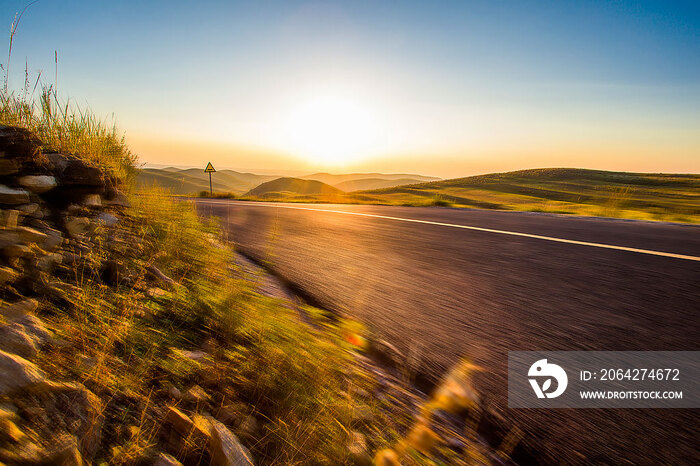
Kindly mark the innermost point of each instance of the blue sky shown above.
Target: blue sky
(445, 88)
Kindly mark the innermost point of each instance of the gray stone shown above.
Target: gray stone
(20, 235)
(76, 226)
(13, 196)
(38, 183)
(29, 209)
(225, 448)
(8, 167)
(13, 339)
(118, 200)
(19, 309)
(48, 262)
(92, 200)
(34, 327)
(54, 239)
(107, 220)
(17, 373)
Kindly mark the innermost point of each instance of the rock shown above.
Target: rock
(118, 199)
(196, 394)
(86, 406)
(76, 226)
(197, 356)
(92, 200)
(107, 220)
(33, 327)
(18, 142)
(16, 373)
(156, 273)
(225, 448)
(10, 218)
(19, 309)
(357, 450)
(166, 460)
(13, 339)
(48, 262)
(65, 452)
(8, 167)
(13, 252)
(7, 275)
(76, 172)
(38, 183)
(13, 196)
(29, 209)
(174, 392)
(156, 293)
(249, 425)
(179, 421)
(54, 239)
(20, 235)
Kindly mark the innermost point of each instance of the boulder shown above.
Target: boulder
(54, 239)
(14, 339)
(29, 209)
(11, 196)
(20, 235)
(18, 142)
(196, 394)
(92, 200)
(118, 199)
(225, 448)
(17, 373)
(48, 262)
(107, 220)
(34, 327)
(76, 172)
(8, 167)
(19, 309)
(76, 226)
(38, 183)
(7, 275)
(180, 421)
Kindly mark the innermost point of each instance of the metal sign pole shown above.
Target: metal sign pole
(211, 193)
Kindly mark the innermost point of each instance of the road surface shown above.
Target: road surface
(440, 283)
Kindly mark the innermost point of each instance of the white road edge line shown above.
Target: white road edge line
(466, 227)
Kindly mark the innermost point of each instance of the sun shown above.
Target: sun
(331, 130)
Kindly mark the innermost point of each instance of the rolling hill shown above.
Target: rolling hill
(364, 184)
(285, 187)
(334, 180)
(559, 190)
(194, 180)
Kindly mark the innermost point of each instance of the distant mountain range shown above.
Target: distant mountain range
(193, 180)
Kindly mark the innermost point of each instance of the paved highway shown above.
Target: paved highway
(441, 283)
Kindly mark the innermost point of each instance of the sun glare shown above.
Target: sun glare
(331, 130)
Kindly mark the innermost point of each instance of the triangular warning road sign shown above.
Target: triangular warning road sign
(210, 168)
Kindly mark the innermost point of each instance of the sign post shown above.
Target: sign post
(210, 169)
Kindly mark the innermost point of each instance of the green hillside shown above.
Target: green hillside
(560, 190)
(285, 187)
(194, 180)
(365, 184)
(334, 180)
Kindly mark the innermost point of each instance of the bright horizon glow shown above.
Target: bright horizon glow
(330, 130)
(447, 89)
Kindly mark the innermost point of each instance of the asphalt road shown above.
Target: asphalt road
(440, 292)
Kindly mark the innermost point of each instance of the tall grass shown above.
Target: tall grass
(68, 129)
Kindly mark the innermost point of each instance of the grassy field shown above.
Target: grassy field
(667, 197)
